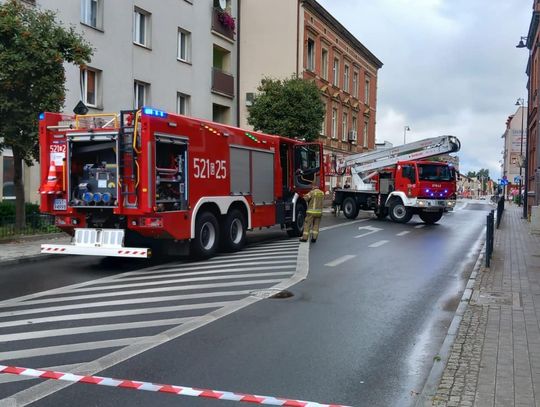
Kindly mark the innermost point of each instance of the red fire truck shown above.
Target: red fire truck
(400, 182)
(126, 184)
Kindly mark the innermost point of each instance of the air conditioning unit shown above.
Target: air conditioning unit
(353, 135)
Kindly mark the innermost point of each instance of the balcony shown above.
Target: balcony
(219, 27)
(222, 82)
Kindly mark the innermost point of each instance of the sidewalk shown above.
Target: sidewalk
(495, 356)
(28, 249)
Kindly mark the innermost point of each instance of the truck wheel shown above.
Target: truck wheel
(399, 212)
(297, 227)
(233, 231)
(206, 235)
(350, 209)
(430, 217)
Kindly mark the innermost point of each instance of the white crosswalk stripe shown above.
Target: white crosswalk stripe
(134, 307)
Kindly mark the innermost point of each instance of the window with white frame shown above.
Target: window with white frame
(323, 124)
(334, 123)
(355, 84)
(366, 91)
(182, 103)
(311, 55)
(91, 12)
(324, 64)
(365, 136)
(344, 123)
(184, 45)
(90, 82)
(140, 94)
(141, 27)
(336, 71)
(346, 78)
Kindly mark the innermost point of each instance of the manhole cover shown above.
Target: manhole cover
(272, 293)
(496, 298)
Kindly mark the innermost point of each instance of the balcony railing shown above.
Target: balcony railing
(217, 26)
(222, 82)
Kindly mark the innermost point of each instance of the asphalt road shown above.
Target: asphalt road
(361, 330)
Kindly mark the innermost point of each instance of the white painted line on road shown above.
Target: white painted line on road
(259, 256)
(109, 314)
(340, 260)
(405, 232)
(146, 300)
(371, 230)
(419, 226)
(77, 347)
(113, 286)
(48, 333)
(379, 243)
(342, 224)
(147, 291)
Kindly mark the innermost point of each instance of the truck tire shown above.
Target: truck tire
(206, 239)
(233, 231)
(349, 208)
(430, 217)
(297, 227)
(399, 212)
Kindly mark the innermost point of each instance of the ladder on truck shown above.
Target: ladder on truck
(417, 150)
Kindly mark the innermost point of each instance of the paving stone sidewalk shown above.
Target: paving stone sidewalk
(495, 358)
(28, 249)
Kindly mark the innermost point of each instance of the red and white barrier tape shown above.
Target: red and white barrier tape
(162, 388)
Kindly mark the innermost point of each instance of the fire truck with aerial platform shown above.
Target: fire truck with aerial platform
(399, 182)
(126, 184)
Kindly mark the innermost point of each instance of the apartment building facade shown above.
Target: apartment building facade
(310, 43)
(175, 55)
(515, 145)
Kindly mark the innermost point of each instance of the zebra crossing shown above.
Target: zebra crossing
(71, 326)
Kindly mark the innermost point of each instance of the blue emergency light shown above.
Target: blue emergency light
(154, 112)
(41, 116)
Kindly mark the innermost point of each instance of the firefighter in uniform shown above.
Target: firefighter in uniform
(314, 199)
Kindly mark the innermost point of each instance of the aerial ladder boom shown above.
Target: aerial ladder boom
(417, 150)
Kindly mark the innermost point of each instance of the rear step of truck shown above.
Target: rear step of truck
(98, 242)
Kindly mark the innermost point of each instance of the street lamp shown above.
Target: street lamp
(522, 44)
(521, 102)
(405, 130)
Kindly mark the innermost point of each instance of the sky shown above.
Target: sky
(450, 67)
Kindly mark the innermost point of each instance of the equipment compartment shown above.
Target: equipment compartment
(93, 171)
(171, 170)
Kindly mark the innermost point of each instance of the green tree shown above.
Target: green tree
(291, 107)
(33, 49)
(471, 174)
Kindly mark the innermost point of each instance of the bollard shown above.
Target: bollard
(490, 226)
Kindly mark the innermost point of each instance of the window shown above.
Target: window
(346, 78)
(354, 126)
(355, 84)
(184, 45)
(89, 79)
(334, 123)
(323, 125)
(182, 103)
(336, 71)
(140, 94)
(8, 190)
(344, 123)
(91, 11)
(311, 55)
(366, 91)
(141, 31)
(366, 126)
(324, 64)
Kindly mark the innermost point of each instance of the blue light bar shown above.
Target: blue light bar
(41, 116)
(154, 112)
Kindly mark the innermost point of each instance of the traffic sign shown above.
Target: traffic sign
(517, 178)
(504, 182)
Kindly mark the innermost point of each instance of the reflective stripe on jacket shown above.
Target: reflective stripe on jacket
(315, 202)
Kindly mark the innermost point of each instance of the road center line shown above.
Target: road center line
(405, 232)
(340, 260)
(379, 243)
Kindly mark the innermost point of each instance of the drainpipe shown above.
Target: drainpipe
(238, 25)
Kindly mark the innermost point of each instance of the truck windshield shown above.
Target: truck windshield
(431, 172)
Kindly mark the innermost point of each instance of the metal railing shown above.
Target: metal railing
(36, 223)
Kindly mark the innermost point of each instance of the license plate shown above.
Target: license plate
(60, 204)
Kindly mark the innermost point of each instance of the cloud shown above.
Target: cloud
(450, 67)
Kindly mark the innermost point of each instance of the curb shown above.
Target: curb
(432, 383)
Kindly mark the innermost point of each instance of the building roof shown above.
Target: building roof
(332, 21)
